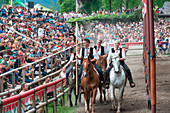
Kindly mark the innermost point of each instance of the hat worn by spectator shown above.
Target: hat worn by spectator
(21, 53)
(46, 44)
(31, 50)
(5, 56)
(41, 48)
(36, 48)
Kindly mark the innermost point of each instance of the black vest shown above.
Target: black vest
(74, 56)
(120, 55)
(90, 54)
(102, 50)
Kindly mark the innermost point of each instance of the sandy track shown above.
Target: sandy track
(136, 99)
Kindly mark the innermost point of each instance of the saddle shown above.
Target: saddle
(108, 77)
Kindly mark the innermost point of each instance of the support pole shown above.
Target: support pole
(76, 51)
(152, 59)
(148, 53)
(11, 2)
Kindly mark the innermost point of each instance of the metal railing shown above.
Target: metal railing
(32, 65)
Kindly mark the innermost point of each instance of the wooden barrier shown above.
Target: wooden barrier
(15, 103)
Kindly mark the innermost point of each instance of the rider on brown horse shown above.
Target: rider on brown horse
(100, 50)
(121, 52)
(85, 52)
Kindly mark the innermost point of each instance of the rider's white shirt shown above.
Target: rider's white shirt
(87, 51)
(72, 58)
(116, 51)
(99, 52)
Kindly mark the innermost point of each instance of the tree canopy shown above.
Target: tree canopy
(94, 5)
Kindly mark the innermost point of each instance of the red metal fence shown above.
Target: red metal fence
(14, 103)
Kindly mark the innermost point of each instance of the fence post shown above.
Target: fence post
(1, 106)
(65, 55)
(1, 84)
(45, 99)
(34, 101)
(19, 105)
(13, 79)
(51, 63)
(32, 72)
(39, 72)
(46, 65)
(55, 101)
(23, 72)
(62, 89)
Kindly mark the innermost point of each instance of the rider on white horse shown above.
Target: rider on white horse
(122, 55)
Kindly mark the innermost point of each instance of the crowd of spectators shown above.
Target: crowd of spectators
(51, 33)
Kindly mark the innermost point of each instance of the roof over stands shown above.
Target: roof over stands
(44, 8)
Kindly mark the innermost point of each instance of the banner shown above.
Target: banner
(164, 46)
(144, 7)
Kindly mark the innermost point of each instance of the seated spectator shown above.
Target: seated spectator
(63, 73)
(36, 66)
(6, 85)
(8, 67)
(47, 80)
(27, 105)
(28, 74)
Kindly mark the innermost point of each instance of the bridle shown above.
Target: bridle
(113, 65)
(88, 69)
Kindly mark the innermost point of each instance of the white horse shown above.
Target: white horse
(117, 80)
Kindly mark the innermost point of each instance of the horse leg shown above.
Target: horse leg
(76, 96)
(80, 94)
(108, 94)
(112, 97)
(69, 95)
(100, 89)
(104, 93)
(91, 96)
(87, 99)
(121, 89)
(93, 99)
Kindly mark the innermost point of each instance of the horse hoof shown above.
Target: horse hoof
(115, 108)
(87, 112)
(118, 112)
(101, 101)
(71, 105)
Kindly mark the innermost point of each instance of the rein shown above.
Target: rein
(88, 70)
(113, 65)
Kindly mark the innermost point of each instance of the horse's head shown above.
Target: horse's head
(87, 66)
(102, 63)
(115, 62)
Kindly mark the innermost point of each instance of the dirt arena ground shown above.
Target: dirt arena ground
(136, 99)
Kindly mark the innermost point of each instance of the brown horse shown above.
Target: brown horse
(89, 82)
(102, 63)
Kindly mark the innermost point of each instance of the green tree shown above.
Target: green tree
(160, 3)
(67, 5)
(92, 5)
(4, 2)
